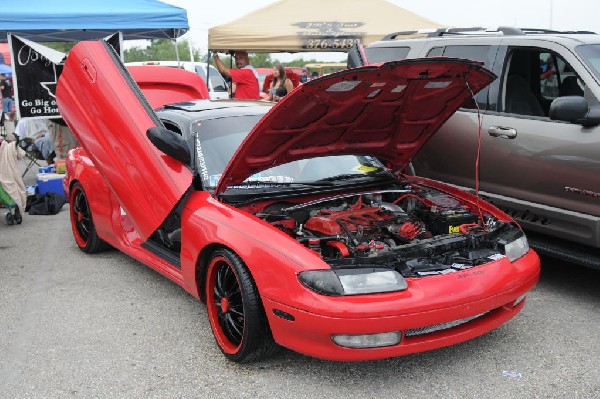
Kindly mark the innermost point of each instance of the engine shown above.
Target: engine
(420, 231)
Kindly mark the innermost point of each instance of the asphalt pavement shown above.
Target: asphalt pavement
(104, 326)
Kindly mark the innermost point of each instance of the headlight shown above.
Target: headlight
(517, 248)
(353, 281)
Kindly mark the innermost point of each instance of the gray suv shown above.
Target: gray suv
(540, 126)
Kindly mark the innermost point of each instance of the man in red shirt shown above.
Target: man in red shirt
(245, 77)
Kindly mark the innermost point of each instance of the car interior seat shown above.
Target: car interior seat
(519, 99)
(570, 87)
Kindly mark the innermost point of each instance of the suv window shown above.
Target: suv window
(534, 77)
(384, 54)
(475, 53)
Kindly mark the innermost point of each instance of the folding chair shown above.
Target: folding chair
(33, 154)
(3, 131)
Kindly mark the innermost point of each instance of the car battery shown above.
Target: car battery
(448, 221)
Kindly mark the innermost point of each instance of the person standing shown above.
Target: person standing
(245, 78)
(304, 77)
(281, 85)
(7, 96)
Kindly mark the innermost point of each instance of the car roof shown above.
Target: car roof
(397, 39)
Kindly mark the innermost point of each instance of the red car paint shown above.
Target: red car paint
(384, 111)
(164, 85)
(132, 187)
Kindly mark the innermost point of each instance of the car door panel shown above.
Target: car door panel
(95, 83)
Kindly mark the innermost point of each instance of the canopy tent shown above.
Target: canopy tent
(314, 25)
(74, 20)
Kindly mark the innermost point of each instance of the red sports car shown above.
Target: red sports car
(292, 222)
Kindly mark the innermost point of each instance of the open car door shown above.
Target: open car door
(110, 116)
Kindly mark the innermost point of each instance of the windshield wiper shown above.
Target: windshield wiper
(349, 176)
(267, 184)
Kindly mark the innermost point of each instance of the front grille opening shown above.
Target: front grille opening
(442, 326)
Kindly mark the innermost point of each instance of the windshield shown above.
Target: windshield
(218, 139)
(591, 56)
(217, 83)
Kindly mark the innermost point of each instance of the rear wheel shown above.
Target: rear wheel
(9, 219)
(82, 222)
(235, 311)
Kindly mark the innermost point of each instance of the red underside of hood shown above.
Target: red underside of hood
(388, 111)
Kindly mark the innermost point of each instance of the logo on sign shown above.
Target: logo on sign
(329, 35)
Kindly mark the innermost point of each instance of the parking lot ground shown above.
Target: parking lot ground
(75, 325)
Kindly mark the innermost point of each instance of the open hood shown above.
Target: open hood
(388, 111)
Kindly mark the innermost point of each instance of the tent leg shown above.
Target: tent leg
(177, 52)
(208, 71)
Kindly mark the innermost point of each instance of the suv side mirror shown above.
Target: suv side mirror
(170, 143)
(574, 109)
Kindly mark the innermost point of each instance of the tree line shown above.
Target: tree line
(164, 50)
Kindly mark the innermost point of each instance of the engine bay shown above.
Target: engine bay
(416, 230)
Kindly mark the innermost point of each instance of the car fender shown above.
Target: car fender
(80, 168)
(273, 258)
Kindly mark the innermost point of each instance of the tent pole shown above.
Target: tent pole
(191, 52)
(208, 71)
(177, 52)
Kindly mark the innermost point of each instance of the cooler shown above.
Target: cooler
(50, 183)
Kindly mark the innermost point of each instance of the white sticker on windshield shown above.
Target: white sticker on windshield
(437, 85)
(343, 86)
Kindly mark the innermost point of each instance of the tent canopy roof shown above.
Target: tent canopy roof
(314, 25)
(74, 20)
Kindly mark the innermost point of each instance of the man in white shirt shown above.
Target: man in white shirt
(36, 132)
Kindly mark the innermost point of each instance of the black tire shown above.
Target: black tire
(9, 219)
(82, 222)
(235, 311)
(18, 217)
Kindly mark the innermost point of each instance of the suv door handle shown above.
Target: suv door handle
(502, 132)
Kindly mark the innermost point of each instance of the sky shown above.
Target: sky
(549, 14)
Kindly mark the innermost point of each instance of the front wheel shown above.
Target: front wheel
(82, 222)
(235, 311)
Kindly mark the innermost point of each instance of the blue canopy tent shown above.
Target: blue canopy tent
(6, 69)
(74, 20)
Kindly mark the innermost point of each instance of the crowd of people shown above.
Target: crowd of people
(244, 79)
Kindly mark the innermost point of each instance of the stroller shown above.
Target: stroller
(12, 189)
(14, 213)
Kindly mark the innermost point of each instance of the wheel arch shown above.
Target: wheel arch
(202, 263)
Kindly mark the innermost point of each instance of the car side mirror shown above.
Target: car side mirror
(574, 109)
(170, 143)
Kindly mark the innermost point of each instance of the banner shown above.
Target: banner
(36, 71)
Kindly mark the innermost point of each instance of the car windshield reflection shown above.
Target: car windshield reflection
(220, 138)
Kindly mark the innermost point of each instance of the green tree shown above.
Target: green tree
(162, 50)
(63, 47)
(261, 60)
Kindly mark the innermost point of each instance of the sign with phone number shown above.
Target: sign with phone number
(329, 43)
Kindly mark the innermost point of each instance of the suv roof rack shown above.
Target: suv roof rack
(504, 30)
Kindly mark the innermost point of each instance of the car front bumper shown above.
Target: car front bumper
(311, 333)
